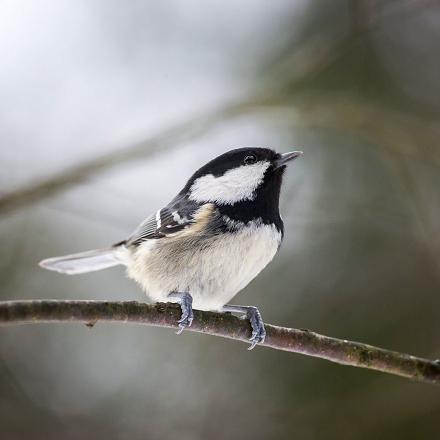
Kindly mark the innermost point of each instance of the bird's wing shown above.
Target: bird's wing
(176, 216)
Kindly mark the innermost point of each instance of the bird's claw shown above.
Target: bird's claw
(252, 314)
(186, 320)
(185, 300)
(257, 324)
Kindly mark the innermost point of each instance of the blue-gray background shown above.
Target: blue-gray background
(355, 84)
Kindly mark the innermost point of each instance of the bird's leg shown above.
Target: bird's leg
(254, 316)
(185, 300)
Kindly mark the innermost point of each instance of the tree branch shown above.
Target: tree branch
(224, 325)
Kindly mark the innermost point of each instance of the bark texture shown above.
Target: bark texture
(225, 325)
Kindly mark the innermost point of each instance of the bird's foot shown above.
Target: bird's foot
(253, 315)
(258, 330)
(185, 300)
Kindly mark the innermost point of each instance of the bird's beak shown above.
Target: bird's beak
(287, 157)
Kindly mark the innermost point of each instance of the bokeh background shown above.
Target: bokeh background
(106, 107)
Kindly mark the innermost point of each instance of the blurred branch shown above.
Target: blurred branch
(402, 133)
(169, 138)
(398, 133)
(224, 325)
(321, 50)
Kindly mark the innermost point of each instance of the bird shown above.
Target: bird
(214, 237)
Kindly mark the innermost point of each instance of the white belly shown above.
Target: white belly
(212, 270)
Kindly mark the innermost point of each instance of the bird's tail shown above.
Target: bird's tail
(83, 262)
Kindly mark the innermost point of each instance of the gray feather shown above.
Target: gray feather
(82, 262)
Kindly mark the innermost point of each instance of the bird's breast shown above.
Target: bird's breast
(213, 269)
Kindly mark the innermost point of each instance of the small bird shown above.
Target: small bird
(209, 242)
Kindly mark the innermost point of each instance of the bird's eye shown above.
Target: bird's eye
(249, 159)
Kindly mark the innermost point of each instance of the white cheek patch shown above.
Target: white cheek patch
(234, 186)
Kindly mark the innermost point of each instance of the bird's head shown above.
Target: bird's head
(239, 175)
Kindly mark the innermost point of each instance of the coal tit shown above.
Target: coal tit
(209, 242)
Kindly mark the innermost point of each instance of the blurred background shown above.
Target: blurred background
(106, 107)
